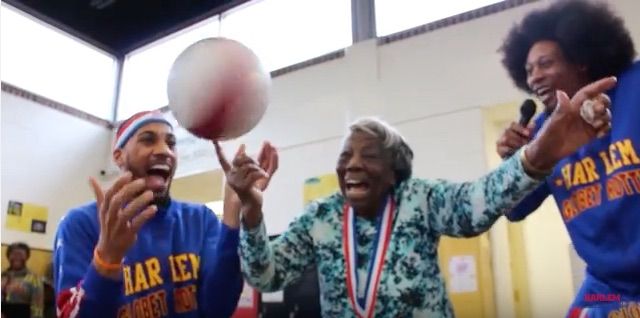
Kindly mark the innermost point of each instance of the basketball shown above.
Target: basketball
(218, 89)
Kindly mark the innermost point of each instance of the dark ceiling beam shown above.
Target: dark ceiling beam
(117, 88)
(363, 20)
(180, 26)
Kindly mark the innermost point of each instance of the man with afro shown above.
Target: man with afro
(597, 189)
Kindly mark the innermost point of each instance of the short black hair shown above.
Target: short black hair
(18, 246)
(588, 33)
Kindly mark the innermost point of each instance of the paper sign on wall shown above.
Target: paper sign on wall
(462, 274)
(26, 217)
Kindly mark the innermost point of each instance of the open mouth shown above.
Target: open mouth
(356, 187)
(157, 176)
(544, 93)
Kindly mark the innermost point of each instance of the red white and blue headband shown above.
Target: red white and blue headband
(129, 127)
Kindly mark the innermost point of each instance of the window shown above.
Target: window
(286, 32)
(145, 71)
(397, 15)
(47, 62)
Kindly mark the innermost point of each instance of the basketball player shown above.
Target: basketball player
(597, 189)
(138, 252)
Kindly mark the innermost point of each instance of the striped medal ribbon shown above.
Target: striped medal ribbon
(364, 303)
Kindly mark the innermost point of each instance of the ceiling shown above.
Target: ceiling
(121, 26)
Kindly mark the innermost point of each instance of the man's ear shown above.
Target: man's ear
(118, 157)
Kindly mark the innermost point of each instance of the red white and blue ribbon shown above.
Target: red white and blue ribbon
(364, 304)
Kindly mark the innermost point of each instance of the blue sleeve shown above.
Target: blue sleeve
(80, 290)
(221, 277)
(529, 204)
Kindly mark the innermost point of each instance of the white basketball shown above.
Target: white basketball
(218, 89)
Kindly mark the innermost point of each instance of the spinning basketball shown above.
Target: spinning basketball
(217, 89)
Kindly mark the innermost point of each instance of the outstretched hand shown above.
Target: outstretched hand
(268, 161)
(122, 210)
(246, 177)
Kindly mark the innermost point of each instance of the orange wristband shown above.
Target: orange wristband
(99, 262)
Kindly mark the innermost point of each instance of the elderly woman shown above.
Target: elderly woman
(374, 243)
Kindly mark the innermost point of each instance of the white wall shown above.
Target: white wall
(47, 158)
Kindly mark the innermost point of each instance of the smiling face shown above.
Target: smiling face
(365, 172)
(18, 258)
(150, 154)
(548, 71)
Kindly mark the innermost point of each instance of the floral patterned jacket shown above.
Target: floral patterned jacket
(411, 284)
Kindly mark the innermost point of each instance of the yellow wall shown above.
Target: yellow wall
(479, 303)
(199, 188)
(539, 282)
(510, 259)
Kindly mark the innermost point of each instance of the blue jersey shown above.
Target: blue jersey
(597, 190)
(184, 263)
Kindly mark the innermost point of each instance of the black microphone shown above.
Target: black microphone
(527, 110)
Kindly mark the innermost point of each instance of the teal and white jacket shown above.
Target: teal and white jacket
(411, 284)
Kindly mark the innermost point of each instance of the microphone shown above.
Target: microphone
(527, 110)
